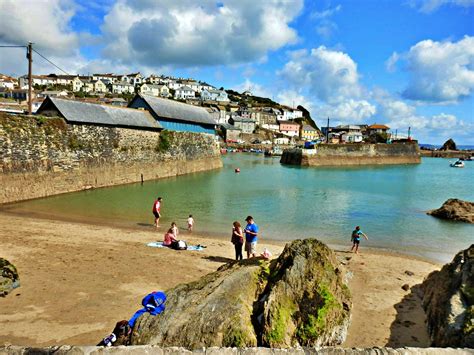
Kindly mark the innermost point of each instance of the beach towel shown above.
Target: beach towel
(190, 247)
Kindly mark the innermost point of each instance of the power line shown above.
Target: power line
(50, 62)
(5, 46)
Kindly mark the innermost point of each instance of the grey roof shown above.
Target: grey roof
(184, 88)
(230, 127)
(177, 110)
(242, 119)
(84, 112)
(307, 127)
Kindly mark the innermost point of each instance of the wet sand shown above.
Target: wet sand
(78, 280)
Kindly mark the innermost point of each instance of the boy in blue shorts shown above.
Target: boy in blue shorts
(251, 232)
(355, 238)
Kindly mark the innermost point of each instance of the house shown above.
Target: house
(247, 125)
(174, 115)
(99, 86)
(214, 95)
(133, 79)
(84, 113)
(18, 94)
(281, 141)
(193, 85)
(289, 128)
(184, 92)
(309, 133)
(231, 133)
(44, 94)
(105, 78)
(205, 86)
(174, 84)
(122, 87)
(352, 137)
(7, 82)
(377, 128)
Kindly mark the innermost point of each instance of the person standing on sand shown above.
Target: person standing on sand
(157, 211)
(251, 234)
(355, 238)
(237, 240)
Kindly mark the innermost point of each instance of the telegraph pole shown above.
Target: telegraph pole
(29, 54)
(327, 133)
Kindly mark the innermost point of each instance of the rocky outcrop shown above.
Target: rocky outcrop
(449, 302)
(449, 145)
(298, 299)
(9, 279)
(456, 210)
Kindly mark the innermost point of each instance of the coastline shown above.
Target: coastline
(77, 280)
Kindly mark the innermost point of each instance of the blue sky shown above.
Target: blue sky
(403, 63)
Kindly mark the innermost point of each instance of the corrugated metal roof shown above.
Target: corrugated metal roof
(84, 112)
(177, 110)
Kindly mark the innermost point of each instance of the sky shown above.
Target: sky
(407, 63)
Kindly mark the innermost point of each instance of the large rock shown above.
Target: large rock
(449, 302)
(449, 145)
(298, 299)
(8, 277)
(454, 209)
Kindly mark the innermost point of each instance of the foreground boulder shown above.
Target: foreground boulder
(456, 210)
(298, 299)
(449, 145)
(8, 277)
(449, 302)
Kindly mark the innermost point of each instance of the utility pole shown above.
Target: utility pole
(29, 54)
(327, 133)
(409, 131)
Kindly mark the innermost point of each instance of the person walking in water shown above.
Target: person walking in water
(157, 211)
(251, 237)
(190, 223)
(355, 238)
(237, 240)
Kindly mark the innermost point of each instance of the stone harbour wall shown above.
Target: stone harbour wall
(46, 156)
(354, 154)
(152, 349)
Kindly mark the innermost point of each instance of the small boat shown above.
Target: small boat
(274, 152)
(237, 170)
(457, 164)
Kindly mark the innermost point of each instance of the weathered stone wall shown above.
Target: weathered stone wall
(152, 349)
(45, 156)
(353, 154)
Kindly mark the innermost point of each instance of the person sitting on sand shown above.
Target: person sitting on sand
(237, 240)
(171, 236)
(190, 223)
(355, 238)
(251, 231)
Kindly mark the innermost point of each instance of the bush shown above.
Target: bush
(377, 138)
(163, 142)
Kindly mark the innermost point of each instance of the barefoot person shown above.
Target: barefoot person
(156, 211)
(355, 238)
(251, 234)
(190, 223)
(237, 240)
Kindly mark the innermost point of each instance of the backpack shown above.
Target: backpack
(180, 245)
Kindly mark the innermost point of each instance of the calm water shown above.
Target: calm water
(389, 203)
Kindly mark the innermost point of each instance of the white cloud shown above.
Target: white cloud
(348, 111)
(441, 72)
(325, 26)
(293, 98)
(391, 63)
(254, 88)
(188, 33)
(428, 6)
(330, 75)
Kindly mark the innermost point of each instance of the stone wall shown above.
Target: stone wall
(45, 156)
(353, 154)
(152, 349)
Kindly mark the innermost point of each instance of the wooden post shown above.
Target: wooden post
(30, 78)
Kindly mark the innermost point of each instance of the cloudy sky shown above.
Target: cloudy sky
(403, 63)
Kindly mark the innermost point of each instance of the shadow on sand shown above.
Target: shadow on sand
(145, 224)
(218, 259)
(409, 327)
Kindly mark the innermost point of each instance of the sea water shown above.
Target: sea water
(389, 203)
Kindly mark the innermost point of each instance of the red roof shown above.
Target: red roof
(378, 126)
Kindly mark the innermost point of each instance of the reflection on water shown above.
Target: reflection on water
(389, 203)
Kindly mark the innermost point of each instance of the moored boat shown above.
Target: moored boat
(457, 164)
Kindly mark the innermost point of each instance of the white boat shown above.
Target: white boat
(457, 164)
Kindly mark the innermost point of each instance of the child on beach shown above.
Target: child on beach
(157, 211)
(237, 240)
(190, 223)
(355, 238)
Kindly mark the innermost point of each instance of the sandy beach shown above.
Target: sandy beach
(78, 280)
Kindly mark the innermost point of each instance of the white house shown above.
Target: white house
(352, 137)
(122, 87)
(194, 85)
(99, 86)
(184, 93)
(205, 86)
(7, 82)
(214, 95)
(149, 89)
(133, 79)
(174, 84)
